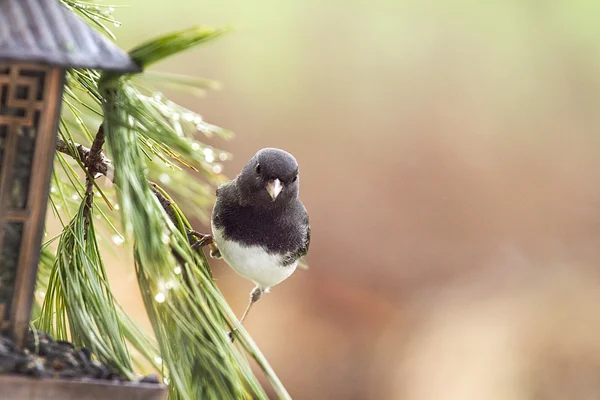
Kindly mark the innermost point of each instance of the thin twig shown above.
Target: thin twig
(92, 162)
(164, 202)
(102, 164)
(95, 156)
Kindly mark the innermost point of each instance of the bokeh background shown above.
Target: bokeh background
(450, 163)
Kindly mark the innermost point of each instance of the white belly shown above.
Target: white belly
(253, 262)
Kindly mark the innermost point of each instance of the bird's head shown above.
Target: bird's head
(270, 178)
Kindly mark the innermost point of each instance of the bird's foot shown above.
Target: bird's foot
(230, 334)
(203, 239)
(256, 294)
(214, 251)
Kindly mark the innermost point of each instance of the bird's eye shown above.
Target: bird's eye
(295, 178)
(258, 169)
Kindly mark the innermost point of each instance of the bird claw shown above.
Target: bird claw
(204, 239)
(214, 251)
(230, 335)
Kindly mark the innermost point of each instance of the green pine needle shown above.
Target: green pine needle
(167, 45)
(78, 283)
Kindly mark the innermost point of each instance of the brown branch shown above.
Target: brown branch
(92, 161)
(101, 162)
(95, 156)
(164, 202)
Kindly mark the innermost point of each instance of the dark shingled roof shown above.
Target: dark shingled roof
(45, 31)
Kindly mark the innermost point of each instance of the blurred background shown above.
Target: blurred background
(450, 163)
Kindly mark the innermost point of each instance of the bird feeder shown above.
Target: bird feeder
(39, 40)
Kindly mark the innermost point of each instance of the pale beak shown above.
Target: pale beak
(274, 187)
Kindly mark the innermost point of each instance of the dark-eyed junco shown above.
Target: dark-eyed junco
(259, 224)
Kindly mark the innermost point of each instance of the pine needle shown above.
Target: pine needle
(89, 305)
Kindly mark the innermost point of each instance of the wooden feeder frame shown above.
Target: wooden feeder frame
(30, 97)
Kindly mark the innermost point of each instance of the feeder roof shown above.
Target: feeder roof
(47, 32)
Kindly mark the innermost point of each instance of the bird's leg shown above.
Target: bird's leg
(204, 240)
(255, 295)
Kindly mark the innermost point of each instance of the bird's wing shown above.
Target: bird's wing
(226, 195)
(304, 248)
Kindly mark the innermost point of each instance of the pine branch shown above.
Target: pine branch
(93, 160)
(164, 202)
(95, 156)
(101, 164)
(97, 163)
(104, 326)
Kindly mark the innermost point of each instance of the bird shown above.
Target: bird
(260, 226)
